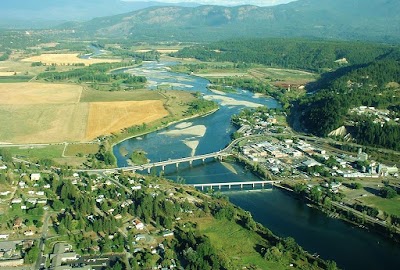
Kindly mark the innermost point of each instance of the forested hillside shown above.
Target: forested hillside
(314, 55)
(375, 20)
(353, 74)
(374, 84)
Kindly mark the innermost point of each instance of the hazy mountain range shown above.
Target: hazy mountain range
(44, 13)
(377, 20)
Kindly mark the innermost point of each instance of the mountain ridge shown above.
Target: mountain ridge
(14, 14)
(375, 20)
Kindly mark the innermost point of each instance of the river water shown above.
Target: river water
(351, 247)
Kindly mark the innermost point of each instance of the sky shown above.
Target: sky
(226, 2)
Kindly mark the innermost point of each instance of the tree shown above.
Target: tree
(299, 188)
(316, 194)
(331, 265)
(31, 255)
(356, 185)
(388, 192)
(6, 155)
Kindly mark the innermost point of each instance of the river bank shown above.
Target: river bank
(163, 126)
(333, 239)
(333, 210)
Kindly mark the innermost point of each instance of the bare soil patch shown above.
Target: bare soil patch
(66, 59)
(109, 117)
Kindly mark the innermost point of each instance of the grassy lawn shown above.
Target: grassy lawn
(236, 243)
(42, 152)
(390, 206)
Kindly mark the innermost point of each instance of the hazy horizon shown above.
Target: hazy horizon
(223, 2)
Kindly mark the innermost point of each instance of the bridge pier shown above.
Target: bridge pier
(163, 167)
(148, 170)
(177, 165)
(190, 163)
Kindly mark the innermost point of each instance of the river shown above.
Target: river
(351, 247)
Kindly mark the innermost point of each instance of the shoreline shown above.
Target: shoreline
(368, 226)
(338, 214)
(165, 126)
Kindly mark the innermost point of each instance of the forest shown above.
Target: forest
(96, 73)
(313, 55)
(372, 84)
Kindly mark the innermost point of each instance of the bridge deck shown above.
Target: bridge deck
(230, 184)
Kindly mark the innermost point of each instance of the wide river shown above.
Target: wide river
(351, 247)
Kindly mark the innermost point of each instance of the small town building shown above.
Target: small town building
(35, 176)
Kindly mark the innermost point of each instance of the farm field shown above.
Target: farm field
(53, 113)
(109, 117)
(162, 51)
(43, 123)
(66, 59)
(39, 93)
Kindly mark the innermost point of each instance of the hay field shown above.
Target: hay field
(66, 58)
(43, 123)
(8, 73)
(39, 93)
(52, 113)
(109, 117)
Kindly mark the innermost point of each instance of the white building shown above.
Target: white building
(35, 176)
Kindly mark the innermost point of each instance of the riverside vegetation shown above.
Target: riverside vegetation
(87, 213)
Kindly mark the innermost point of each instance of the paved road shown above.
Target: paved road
(41, 260)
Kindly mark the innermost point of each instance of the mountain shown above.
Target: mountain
(42, 13)
(377, 20)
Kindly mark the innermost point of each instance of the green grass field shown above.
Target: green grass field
(15, 79)
(390, 206)
(42, 152)
(237, 244)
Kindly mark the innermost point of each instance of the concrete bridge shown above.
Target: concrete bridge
(162, 164)
(217, 155)
(231, 184)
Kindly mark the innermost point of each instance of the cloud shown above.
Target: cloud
(226, 2)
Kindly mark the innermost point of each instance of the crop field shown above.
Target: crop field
(109, 117)
(39, 93)
(52, 113)
(43, 123)
(8, 73)
(284, 75)
(66, 59)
